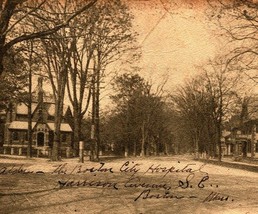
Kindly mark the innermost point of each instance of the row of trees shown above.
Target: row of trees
(71, 43)
(145, 122)
(140, 121)
(205, 103)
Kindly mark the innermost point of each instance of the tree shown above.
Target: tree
(141, 115)
(100, 37)
(128, 88)
(207, 102)
(14, 81)
(237, 20)
(191, 106)
(55, 53)
(13, 14)
(222, 83)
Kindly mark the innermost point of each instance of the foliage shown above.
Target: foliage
(237, 20)
(205, 104)
(140, 123)
(14, 16)
(14, 81)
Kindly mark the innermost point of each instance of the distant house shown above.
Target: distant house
(43, 126)
(243, 137)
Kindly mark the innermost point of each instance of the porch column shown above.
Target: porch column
(20, 151)
(46, 138)
(68, 151)
(253, 141)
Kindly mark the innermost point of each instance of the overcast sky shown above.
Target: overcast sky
(174, 38)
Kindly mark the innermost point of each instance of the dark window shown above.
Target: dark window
(63, 137)
(51, 118)
(15, 136)
(231, 148)
(249, 146)
(40, 139)
(26, 137)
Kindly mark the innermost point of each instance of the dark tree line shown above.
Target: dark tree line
(140, 122)
(74, 42)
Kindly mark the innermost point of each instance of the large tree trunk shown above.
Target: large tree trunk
(134, 149)
(57, 134)
(196, 149)
(143, 140)
(7, 10)
(59, 114)
(1, 61)
(126, 149)
(219, 141)
(76, 130)
(98, 146)
(29, 148)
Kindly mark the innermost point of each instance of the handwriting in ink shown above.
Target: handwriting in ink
(86, 183)
(80, 169)
(215, 196)
(128, 167)
(146, 194)
(166, 170)
(15, 170)
(135, 182)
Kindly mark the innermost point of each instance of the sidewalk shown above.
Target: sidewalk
(229, 162)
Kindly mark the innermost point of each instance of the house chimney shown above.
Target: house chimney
(40, 90)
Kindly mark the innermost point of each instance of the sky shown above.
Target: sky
(174, 38)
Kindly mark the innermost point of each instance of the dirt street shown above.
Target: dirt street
(133, 185)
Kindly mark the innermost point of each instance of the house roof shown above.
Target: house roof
(23, 109)
(51, 109)
(23, 125)
(65, 127)
(225, 133)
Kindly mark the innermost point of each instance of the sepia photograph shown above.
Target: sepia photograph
(129, 106)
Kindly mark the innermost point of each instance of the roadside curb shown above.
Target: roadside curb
(236, 165)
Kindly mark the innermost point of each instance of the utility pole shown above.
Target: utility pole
(95, 120)
(253, 141)
(97, 107)
(29, 148)
(93, 113)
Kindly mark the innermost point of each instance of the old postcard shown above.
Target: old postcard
(138, 106)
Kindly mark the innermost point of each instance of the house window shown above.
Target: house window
(51, 139)
(40, 139)
(15, 136)
(51, 118)
(249, 146)
(26, 137)
(63, 137)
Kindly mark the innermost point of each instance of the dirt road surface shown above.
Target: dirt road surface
(128, 186)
